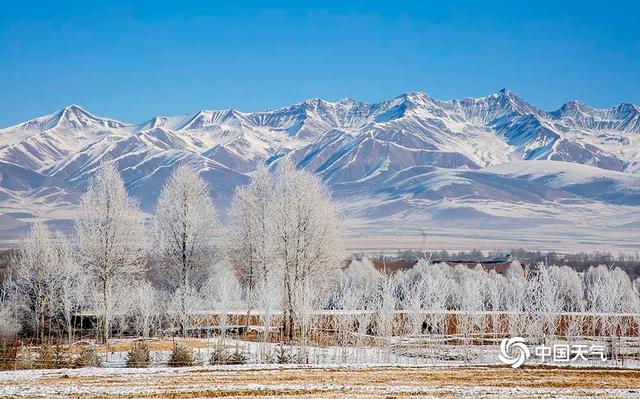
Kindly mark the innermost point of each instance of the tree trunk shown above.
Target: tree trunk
(70, 330)
(41, 323)
(183, 317)
(105, 317)
(287, 319)
(184, 281)
(250, 297)
(246, 323)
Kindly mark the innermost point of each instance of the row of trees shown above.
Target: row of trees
(522, 302)
(278, 257)
(282, 228)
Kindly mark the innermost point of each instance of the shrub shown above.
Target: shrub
(222, 356)
(51, 357)
(267, 358)
(181, 356)
(282, 355)
(301, 357)
(218, 356)
(88, 358)
(138, 355)
(45, 359)
(237, 357)
(61, 358)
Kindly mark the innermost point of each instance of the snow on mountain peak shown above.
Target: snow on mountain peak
(624, 117)
(403, 155)
(74, 117)
(348, 101)
(626, 110)
(73, 108)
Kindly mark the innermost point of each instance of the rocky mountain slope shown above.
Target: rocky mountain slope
(495, 161)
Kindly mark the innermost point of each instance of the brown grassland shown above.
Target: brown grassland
(310, 382)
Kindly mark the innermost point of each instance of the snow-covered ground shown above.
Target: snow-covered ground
(392, 351)
(380, 371)
(358, 381)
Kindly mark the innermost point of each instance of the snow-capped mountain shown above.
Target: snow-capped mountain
(412, 158)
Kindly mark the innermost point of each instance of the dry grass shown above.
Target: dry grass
(154, 345)
(372, 382)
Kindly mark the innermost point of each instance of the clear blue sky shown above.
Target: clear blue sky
(132, 62)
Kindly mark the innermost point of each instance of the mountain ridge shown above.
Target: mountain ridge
(504, 93)
(411, 157)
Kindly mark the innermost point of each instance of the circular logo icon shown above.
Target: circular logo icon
(514, 351)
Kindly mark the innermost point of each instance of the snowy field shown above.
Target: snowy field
(403, 235)
(362, 381)
(382, 371)
(398, 351)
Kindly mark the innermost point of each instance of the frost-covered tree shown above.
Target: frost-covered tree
(185, 230)
(439, 287)
(345, 300)
(284, 224)
(570, 289)
(386, 303)
(306, 236)
(110, 239)
(470, 297)
(414, 288)
(304, 305)
(496, 287)
(361, 278)
(195, 301)
(145, 309)
(35, 279)
(607, 292)
(45, 282)
(359, 290)
(515, 299)
(268, 301)
(224, 292)
(9, 323)
(248, 242)
(545, 300)
(72, 289)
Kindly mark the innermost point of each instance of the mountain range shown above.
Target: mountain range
(460, 167)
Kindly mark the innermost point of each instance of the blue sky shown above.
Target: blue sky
(132, 62)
